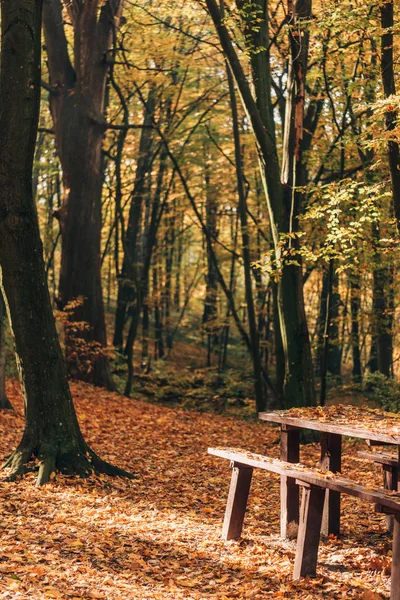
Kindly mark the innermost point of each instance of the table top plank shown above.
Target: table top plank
(389, 436)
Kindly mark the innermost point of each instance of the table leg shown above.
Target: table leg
(290, 452)
(395, 585)
(331, 460)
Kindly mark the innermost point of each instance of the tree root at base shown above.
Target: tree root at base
(82, 464)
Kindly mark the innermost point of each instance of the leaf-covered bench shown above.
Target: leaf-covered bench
(314, 483)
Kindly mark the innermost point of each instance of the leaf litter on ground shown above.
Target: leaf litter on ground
(158, 536)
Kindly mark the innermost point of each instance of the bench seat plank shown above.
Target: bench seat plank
(311, 476)
(382, 458)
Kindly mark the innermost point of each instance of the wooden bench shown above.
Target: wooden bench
(390, 465)
(314, 483)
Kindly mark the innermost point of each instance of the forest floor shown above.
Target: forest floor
(158, 536)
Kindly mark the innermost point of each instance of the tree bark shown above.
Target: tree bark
(254, 332)
(283, 201)
(210, 312)
(129, 276)
(77, 108)
(4, 401)
(355, 306)
(391, 114)
(290, 291)
(51, 433)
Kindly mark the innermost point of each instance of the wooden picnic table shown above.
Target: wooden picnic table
(332, 422)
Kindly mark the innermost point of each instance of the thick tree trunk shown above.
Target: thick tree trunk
(299, 383)
(51, 433)
(77, 107)
(4, 401)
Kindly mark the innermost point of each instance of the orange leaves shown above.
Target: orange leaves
(361, 416)
(158, 537)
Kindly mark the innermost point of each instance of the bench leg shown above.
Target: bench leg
(395, 584)
(290, 452)
(312, 505)
(237, 501)
(331, 453)
(390, 479)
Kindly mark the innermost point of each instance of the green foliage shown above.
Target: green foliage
(385, 392)
(344, 210)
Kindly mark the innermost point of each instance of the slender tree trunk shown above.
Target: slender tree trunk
(145, 328)
(169, 248)
(246, 254)
(210, 313)
(178, 270)
(355, 305)
(282, 196)
(129, 276)
(381, 358)
(158, 328)
(328, 325)
(325, 322)
(51, 431)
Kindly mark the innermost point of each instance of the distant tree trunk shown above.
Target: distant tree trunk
(246, 255)
(334, 354)
(178, 270)
(145, 329)
(169, 248)
(355, 305)
(381, 358)
(158, 328)
(51, 432)
(4, 401)
(129, 276)
(223, 357)
(210, 312)
(321, 322)
(77, 107)
(329, 345)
